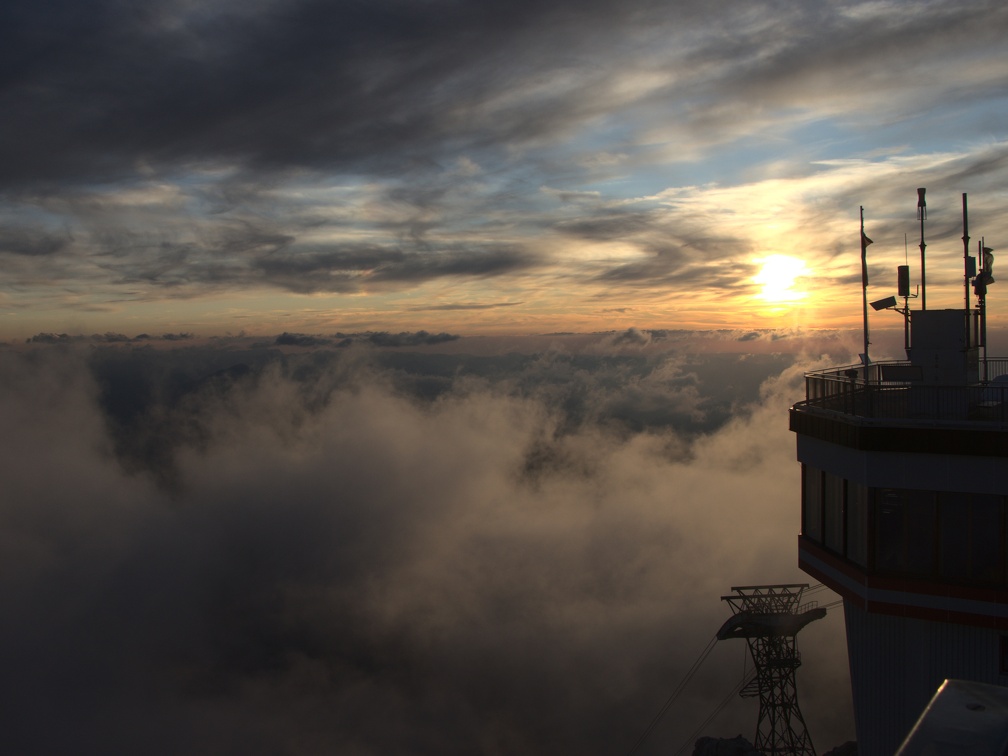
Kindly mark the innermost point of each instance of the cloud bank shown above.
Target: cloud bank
(340, 563)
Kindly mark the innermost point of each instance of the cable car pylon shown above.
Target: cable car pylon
(769, 617)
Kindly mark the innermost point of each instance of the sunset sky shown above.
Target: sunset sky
(222, 167)
(492, 314)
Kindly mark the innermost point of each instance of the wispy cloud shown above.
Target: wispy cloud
(175, 152)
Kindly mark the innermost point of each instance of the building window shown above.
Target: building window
(857, 523)
(890, 529)
(905, 531)
(970, 537)
(812, 500)
(833, 508)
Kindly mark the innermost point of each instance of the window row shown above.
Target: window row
(952, 536)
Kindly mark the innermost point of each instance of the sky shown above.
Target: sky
(387, 548)
(301, 166)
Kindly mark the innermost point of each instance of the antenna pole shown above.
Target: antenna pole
(865, 241)
(966, 240)
(921, 215)
(906, 298)
(983, 308)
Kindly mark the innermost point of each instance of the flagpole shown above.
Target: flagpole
(864, 291)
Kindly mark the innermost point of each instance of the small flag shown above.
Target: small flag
(865, 241)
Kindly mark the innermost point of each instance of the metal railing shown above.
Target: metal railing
(891, 391)
(808, 606)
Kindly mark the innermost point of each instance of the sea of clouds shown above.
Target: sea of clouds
(363, 550)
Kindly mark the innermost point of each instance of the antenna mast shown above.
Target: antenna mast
(921, 215)
(966, 258)
(980, 284)
(865, 241)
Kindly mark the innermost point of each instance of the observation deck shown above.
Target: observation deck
(891, 406)
(894, 392)
(904, 492)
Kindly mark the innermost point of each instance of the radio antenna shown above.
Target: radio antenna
(921, 216)
(966, 256)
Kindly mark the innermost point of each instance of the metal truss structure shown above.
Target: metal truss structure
(769, 617)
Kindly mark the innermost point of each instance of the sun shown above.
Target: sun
(777, 276)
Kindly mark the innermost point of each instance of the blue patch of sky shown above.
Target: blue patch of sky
(648, 169)
(952, 126)
(30, 215)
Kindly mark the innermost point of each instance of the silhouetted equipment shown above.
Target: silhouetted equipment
(865, 241)
(903, 280)
(883, 304)
(922, 216)
(769, 617)
(969, 263)
(986, 275)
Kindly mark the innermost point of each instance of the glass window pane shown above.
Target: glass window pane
(920, 543)
(890, 532)
(812, 504)
(985, 526)
(857, 523)
(834, 509)
(970, 537)
(953, 515)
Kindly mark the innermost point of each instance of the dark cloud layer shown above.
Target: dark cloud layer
(90, 88)
(93, 86)
(342, 563)
(350, 270)
(192, 148)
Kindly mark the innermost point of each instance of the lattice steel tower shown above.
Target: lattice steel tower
(769, 617)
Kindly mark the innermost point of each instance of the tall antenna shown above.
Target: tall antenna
(921, 216)
(903, 289)
(769, 617)
(865, 241)
(967, 273)
(984, 278)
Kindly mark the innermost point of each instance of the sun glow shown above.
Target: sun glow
(778, 276)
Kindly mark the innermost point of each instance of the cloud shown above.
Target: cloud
(374, 90)
(341, 566)
(29, 242)
(410, 339)
(466, 306)
(300, 339)
(633, 336)
(365, 86)
(613, 151)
